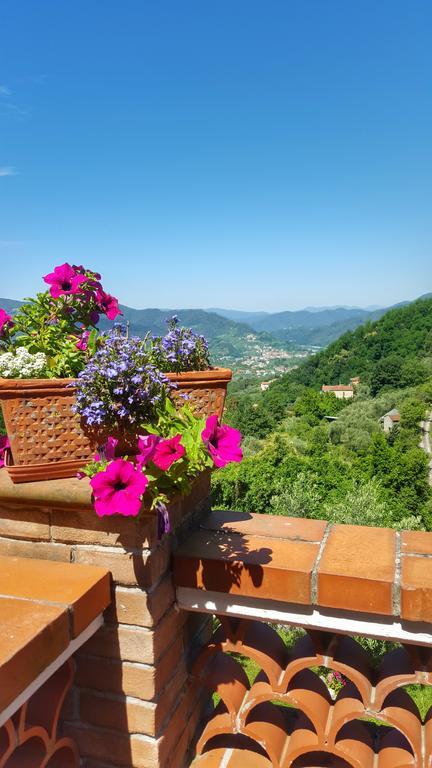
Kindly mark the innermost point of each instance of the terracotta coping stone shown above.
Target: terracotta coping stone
(82, 590)
(277, 569)
(273, 526)
(342, 567)
(56, 493)
(357, 569)
(32, 636)
(43, 606)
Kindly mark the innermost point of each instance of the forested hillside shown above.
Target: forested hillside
(310, 454)
(390, 351)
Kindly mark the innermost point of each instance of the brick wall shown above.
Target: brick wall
(133, 703)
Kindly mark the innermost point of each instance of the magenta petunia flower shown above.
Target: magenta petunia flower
(82, 342)
(222, 441)
(146, 448)
(64, 281)
(6, 321)
(118, 490)
(167, 452)
(107, 451)
(107, 304)
(4, 444)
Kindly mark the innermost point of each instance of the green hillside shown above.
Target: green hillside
(309, 454)
(393, 351)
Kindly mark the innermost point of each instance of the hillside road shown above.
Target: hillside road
(425, 442)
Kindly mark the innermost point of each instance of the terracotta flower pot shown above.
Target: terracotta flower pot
(206, 390)
(46, 437)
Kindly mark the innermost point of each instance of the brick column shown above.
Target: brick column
(133, 703)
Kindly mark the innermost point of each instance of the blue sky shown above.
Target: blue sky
(257, 155)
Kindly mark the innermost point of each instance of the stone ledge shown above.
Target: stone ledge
(57, 493)
(307, 562)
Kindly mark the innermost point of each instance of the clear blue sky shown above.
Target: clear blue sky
(236, 153)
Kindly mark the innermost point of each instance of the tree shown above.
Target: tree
(387, 373)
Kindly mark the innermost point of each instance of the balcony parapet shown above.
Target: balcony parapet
(355, 579)
(256, 572)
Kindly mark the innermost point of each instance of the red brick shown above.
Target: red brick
(140, 607)
(142, 568)
(27, 523)
(40, 550)
(136, 643)
(132, 679)
(416, 543)
(124, 714)
(82, 526)
(129, 750)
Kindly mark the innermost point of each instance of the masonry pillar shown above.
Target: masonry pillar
(133, 703)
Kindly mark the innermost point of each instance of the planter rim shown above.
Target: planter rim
(12, 386)
(210, 374)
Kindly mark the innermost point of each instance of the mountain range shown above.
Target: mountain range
(229, 332)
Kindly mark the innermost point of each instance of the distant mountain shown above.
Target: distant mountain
(306, 319)
(229, 331)
(10, 305)
(313, 326)
(240, 316)
(209, 324)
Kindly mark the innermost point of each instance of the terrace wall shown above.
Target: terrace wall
(133, 702)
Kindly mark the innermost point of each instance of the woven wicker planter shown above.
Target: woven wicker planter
(46, 438)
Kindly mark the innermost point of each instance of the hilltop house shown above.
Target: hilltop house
(389, 419)
(341, 391)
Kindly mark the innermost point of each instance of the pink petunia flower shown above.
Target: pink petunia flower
(107, 451)
(146, 448)
(107, 304)
(4, 444)
(167, 452)
(118, 490)
(6, 321)
(82, 342)
(222, 441)
(64, 281)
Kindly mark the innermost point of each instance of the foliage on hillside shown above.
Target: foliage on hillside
(345, 471)
(309, 454)
(388, 352)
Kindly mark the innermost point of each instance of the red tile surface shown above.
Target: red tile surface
(83, 590)
(416, 589)
(357, 569)
(32, 636)
(254, 566)
(274, 526)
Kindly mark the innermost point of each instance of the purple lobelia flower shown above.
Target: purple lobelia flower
(120, 387)
(180, 349)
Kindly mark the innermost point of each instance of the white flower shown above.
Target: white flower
(21, 364)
